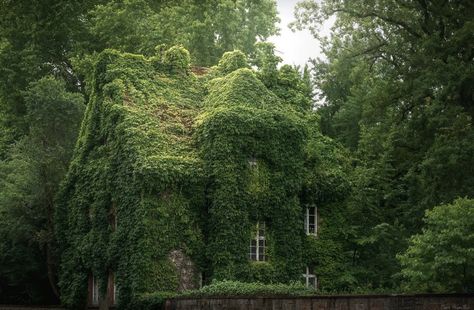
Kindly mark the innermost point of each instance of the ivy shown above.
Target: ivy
(134, 157)
(241, 121)
(184, 163)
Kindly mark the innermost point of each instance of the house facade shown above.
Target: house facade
(179, 179)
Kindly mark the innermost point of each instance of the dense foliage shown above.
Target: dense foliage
(224, 289)
(152, 301)
(207, 28)
(236, 288)
(29, 181)
(163, 154)
(162, 164)
(62, 39)
(441, 258)
(133, 175)
(241, 121)
(396, 88)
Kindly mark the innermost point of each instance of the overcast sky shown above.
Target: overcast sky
(294, 47)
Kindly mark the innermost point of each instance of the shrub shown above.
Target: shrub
(177, 58)
(441, 257)
(232, 61)
(152, 301)
(235, 288)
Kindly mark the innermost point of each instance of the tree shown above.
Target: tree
(396, 89)
(39, 116)
(36, 39)
(289, 83)
(206, 28)
(441, 257)
(30, 178)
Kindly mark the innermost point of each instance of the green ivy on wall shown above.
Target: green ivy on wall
(189, 163)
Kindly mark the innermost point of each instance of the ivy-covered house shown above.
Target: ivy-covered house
(179, 179)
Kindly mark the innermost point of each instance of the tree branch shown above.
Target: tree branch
(387, 19)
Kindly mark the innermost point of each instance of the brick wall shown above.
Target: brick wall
(373, 302)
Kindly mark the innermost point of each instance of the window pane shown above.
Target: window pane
(253, 249)
(312, 282)
(257, 245)
(95, 291)
(253, 252)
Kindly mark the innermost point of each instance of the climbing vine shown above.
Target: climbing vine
(170, 161)
(134, 161)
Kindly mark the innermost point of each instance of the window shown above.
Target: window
(95, 291)
(201, 276)
(311, 221)
(253, 162)
(310, 278)
(258, 244)
(115, 294)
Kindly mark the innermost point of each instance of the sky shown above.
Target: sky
(295, 47)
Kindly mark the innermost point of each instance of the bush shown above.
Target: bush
(232, 61)
(441, 258)
(236, 288)
(177, 58)
(152, 301)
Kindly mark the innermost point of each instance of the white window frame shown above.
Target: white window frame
(307, 223)
(95, 291)
(259, 257)
(307, 276)
(115, 293)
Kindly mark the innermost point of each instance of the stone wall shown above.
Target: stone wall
(11, 307)
(354, 302)
(187, 276)
(351, 302)
(30, 308)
